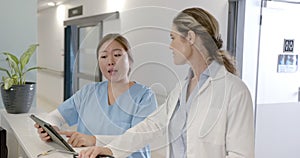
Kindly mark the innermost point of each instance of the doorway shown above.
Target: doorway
(81, 39)
(278, 82)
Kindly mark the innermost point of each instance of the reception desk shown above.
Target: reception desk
(23, 140)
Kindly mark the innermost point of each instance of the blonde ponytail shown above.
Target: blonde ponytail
(227, 60)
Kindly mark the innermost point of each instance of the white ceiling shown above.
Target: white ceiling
(43, 4)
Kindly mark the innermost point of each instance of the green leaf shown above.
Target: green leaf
(13, 63)
(33, 68)
(24, 59)
(8, 82)
(15, 79)
(7, 72)
(12, 57)
(3, 78)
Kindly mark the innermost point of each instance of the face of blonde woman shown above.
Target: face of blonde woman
(113, 61)
(180, 47)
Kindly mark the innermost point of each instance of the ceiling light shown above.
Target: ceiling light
(51, 3)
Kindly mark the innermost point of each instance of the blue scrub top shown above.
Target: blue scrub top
(89, 109)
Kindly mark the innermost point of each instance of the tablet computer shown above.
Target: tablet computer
(56, 137)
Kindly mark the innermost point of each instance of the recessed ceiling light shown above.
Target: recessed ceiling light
(51, 3)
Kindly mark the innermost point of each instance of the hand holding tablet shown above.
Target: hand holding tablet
(56, 137)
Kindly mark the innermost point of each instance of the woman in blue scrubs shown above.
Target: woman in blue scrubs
(109, 107)
(210, 114)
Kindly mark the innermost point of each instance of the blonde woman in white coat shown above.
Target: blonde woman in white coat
(210, 114)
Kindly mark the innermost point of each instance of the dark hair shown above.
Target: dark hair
(120, 39)
(207, 28)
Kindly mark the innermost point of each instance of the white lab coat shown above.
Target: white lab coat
(219, 125)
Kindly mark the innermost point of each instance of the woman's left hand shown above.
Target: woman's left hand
(77, 139)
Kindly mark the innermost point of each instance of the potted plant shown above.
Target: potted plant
(17, 93)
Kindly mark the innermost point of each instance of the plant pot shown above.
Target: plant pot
(18, 98)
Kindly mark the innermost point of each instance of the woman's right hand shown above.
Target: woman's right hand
(43, 134)
(93, 152)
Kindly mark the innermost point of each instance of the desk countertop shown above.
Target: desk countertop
(27, 137)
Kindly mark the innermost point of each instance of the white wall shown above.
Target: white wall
(51, 56)
(145, 23)
(277, 131)
(250, 50)
(18, 30)
(278, 24)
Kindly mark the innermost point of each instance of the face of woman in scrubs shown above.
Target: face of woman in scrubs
(113, 61)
